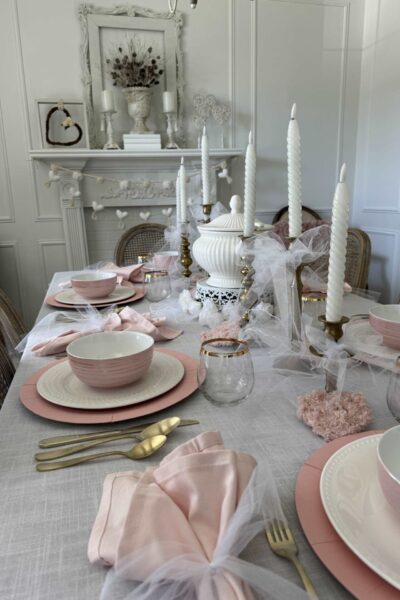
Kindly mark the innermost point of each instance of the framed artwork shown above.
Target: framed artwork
(104, 31)
(62, 123)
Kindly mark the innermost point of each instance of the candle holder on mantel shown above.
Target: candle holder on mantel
(107, 117)
(247, 297)
(185, 257)
(171, 121)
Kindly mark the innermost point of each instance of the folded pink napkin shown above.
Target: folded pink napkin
(133, 273)
(173, 518)
(128, 319)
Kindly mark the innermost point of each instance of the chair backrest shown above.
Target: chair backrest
(138, 241)
(12, 327)
(7, 372)
(308, 214)
(358, 257)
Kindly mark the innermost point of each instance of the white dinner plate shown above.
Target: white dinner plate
(69, 296)
(60, 386)
(367, 345)
(357, 509)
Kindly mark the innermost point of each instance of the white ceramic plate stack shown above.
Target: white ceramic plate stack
(357, 509)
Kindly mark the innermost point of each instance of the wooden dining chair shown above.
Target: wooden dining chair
(308, 214)
(138, 241)
(12, 327)
(7, 371)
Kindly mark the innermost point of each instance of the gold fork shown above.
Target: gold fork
(282, 543)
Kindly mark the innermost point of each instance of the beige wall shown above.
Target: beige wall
(260, 56)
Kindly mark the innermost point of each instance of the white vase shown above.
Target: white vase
(216, 248)
(139, 105)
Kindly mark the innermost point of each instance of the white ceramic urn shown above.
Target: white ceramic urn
(216, 248)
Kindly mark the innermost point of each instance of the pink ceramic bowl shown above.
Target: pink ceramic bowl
(94, 284)
(111, 359)
(389, 466)
(385, 319)
(165, 260)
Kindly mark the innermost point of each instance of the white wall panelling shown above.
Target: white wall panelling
(54, 258)
(384, 267)
(6, 199)
(260, 56)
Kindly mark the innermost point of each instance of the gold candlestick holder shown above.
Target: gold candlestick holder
(185, 258)
(207, 212)
(333, 328)
(248, 298)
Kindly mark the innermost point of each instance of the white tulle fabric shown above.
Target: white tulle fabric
(177, 571)
(275, 267)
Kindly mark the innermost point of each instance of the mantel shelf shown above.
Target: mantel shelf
(50, 155)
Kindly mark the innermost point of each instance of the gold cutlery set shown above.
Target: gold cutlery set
(151, 436)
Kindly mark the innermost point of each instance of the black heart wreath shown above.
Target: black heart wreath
(68, 122)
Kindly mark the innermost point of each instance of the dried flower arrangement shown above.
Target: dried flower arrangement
(135, 65)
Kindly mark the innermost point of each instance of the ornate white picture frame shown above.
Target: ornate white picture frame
(104, 28)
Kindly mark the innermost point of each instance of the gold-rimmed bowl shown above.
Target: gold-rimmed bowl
(225, 373)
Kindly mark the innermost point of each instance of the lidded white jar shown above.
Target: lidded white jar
(216, 248)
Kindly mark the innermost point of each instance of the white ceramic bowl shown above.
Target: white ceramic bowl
(385, 319)
(94, 284)
(111, 359)
(389, 466)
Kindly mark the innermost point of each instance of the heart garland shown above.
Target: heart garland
(68, 122)
(121, 215)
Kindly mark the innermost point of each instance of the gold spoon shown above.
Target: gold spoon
(163, 427)
(142, 450)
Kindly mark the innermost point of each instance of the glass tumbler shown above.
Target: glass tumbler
(157, 285)
(314, 304)
(225, 373)
(393, 392)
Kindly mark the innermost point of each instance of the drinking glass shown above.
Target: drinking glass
(393, 392)
(225, 373)
(314, 304)
(157, 285)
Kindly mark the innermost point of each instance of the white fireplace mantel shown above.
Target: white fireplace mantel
(148, 173)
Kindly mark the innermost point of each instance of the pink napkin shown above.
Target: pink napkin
(133, 273)
(180, 508)
(127, 320)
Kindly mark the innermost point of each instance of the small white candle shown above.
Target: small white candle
(294, 175)
(337, 251)
(205, 172)
(107, 101)
(178, 198)
(169, 102)
(249, 188)
(182, 204)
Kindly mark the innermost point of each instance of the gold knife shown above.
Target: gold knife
(62, 440)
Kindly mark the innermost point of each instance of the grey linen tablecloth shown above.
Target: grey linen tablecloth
(46, 518)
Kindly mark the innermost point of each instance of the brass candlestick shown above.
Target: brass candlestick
(335, 331)
(247, 296)
(185, 258)
(332, 328)
(207, 212)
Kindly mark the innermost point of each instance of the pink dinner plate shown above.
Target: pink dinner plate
(352, 573)
(36, 404)
(136, 295)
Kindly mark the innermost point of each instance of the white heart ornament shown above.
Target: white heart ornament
(96, 207)
(145, 215)
(121, 214)
(167, 212)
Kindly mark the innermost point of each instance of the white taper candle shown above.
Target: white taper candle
(205, 167)
(107, 101)
(249, 188)
(337, 251)
(294, 175)
(182, 195)
(178, 197)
